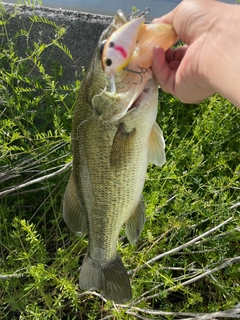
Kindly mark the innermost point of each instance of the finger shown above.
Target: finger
(176, 54)
(164, 75)
(166, 18)
(179, 52)
(158, 20)
(174, 57)
(173, 65)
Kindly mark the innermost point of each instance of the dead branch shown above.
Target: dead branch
(41, 179)
(183, 246)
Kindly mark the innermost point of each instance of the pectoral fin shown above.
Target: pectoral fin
(73, 214)
(122, 145)
(135, 223)
(156, 152)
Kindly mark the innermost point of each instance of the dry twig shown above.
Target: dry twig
(230, 313)
(183, 246)
(41, 179)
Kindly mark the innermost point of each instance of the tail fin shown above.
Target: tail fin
(112, 279)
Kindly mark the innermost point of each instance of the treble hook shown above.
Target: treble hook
(140, 73)
(133, 15)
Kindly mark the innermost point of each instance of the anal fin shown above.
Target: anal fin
(135, 223)
(73, 214)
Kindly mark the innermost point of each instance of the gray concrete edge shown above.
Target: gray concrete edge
(83, 32)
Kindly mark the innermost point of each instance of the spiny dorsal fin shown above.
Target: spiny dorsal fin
(156, 152)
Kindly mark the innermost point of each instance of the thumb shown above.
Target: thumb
(167, 18)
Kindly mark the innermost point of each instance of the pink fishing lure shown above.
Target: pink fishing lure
(119, 48)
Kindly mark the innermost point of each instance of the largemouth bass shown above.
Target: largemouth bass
(114, 136)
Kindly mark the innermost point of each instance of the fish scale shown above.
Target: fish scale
(110, 197)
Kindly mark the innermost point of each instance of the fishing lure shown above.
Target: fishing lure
(119, 48)
(149, 36)
(131, 46)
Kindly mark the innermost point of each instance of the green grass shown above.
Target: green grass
(196, 191)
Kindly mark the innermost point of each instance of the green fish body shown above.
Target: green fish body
(114, 137)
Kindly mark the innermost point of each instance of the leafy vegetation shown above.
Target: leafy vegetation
(187, 260)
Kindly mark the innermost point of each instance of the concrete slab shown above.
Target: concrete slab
(109, 7)
(83, 31)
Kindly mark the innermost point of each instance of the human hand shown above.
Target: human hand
(184, 71)
(177, 76)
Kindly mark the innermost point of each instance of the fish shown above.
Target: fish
(132, 45)
(114, 138)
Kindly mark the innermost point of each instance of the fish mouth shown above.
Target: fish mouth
(140, 98)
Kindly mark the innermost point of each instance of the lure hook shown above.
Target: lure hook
(140, 73)
(133, 15)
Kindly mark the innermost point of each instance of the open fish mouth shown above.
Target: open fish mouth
(133, 91)
(140, 99)
(134, 97)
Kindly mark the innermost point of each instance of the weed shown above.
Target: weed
(187, 259)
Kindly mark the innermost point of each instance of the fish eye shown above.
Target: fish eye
(111, 44)
(101, 47)
(108, 62)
